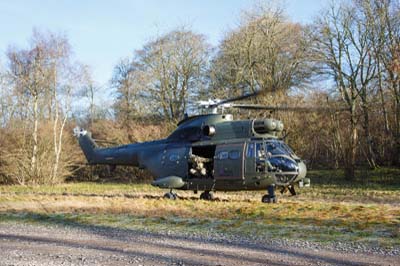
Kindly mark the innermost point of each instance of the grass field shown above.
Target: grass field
(326, 212)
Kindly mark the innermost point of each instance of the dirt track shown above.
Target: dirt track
(22, 244)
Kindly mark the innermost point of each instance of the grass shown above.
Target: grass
(79, 188)
(325, 212)
(364, 178)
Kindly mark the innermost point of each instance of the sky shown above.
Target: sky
(102, 32)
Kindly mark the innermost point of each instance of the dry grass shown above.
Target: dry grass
(324, 193)
(359, 216)
(317, 214)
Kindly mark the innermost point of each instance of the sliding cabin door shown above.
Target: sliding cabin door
(228, 162)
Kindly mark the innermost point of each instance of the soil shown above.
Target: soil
(34, 244)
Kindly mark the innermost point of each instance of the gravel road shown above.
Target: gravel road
(32, 244)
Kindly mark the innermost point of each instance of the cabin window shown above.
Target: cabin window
(223, 155)
(250, 150)
(174, 157)
(234, 155)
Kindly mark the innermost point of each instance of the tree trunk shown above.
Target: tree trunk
(35, 137)
(396, 157)
(56, 153)
(368, 139)
(351, 162)
(382, 99)
(58, 149)
(92, 106)
(337, 141)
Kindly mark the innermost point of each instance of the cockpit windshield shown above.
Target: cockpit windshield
(278, 147)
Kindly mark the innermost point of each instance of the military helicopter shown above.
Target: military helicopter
(212, 152)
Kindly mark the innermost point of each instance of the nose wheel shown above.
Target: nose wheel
(270, 197)
(207, 195)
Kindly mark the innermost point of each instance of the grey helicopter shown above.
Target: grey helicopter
(212, 152)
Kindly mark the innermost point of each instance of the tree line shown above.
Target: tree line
(347, 58)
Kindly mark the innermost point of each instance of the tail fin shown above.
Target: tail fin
(87, 144)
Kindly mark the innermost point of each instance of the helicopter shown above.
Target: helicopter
(213, 152)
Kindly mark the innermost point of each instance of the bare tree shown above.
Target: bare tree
(41, 76)
(29, 76)
(89, 90)
(343, 47)
(173, 67)
(3, 96)
(128, 81)
(266, 52)
(383, 19)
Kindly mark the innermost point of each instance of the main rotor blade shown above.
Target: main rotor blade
(288, 108)
(234, 99)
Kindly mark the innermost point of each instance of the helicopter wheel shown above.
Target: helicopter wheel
(170, 195)
(268, 199)
(207, 195)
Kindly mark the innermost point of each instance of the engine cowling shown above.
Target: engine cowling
(266, 126)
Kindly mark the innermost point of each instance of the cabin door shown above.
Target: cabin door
(255, 158)
(228, 162)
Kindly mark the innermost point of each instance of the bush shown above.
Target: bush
(16, 154)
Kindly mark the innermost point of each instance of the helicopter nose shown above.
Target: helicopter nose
(302, 170)
(284, 163)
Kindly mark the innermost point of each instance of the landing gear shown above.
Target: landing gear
(207, 195)
(270, 197)
(292, 190)
(170, 195)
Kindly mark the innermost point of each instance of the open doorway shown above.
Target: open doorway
(201, 162)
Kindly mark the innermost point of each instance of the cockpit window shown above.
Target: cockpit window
(276, 147)
(286, 147)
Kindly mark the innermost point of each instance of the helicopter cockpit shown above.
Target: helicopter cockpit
(274, 156)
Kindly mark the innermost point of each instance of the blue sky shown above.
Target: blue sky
(101, 32)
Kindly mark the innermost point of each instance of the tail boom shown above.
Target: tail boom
(121, 155)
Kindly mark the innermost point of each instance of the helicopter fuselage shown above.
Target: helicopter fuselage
(209, 152)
